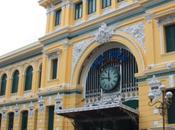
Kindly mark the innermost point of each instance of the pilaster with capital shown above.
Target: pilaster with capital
(8, 86)
(16, 117)
(99, 7)
(149, 39)
(21, 83)
(4, 120)
(114, 4)
(69, 12)
(85, 10)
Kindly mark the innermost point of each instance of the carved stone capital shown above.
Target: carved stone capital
(31, 109)
(16, 108)
(41, 104)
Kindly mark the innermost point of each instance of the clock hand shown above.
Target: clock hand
(108, 76)
(104, 77)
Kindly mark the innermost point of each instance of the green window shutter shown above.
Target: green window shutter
(50, 117)
(28, 78)
(24, 120)
(171, 110)
(15, 81)
(11, 119)
(170, 37)
(106, 3)
(57, 17)
(54, 68)
(78, 10)
(91, 6)
(40, 74)
(3, 85)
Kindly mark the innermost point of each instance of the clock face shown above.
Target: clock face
(109, 78)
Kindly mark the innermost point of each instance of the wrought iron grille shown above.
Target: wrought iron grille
(120, 58)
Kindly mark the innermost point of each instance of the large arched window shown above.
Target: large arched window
(15, 81)
(3, 84)
(28, 78)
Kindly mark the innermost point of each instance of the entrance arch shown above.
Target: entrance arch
(118, 38)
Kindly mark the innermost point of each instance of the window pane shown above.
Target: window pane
(54, 68)
(50, 117)
(171, 110)
(28, 79)
(91, 6)
(11, 119)
(24, 120)
(106, 3)
(78, 10)
(57, 17)
(40, 74)
(170, 37)
(3, 85)
(15, 81)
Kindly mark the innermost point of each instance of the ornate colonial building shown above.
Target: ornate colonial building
(94, 68)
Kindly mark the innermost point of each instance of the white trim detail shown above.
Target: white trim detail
(137, 31)
(78, 50)
(104, 34)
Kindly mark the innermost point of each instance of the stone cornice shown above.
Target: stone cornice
(22, 53)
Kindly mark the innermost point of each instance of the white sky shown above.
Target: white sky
(21, 22)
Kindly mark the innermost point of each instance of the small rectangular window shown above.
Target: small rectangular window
(57, 17)
(50, 117)
(91, 6)
(54, 66)
(170, 37)
(78, 10)
(106, 3)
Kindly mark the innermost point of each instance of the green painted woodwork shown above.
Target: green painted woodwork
(15, 81)
(170, 37)
(131, 103)
(171, 110)
(10, 121)
(3, 85)
(24, 120)
(50, 117)
(28, 78)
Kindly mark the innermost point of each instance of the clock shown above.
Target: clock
(109, 78)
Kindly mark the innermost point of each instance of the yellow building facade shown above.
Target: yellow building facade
(93, 69)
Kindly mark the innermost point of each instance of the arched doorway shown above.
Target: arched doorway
(110, 90)
(108, 77)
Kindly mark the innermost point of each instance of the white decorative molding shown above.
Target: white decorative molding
(17, 109)
(166, 20)
(31, 109)
(78, 49)
(4, 112)
(154, 84)
(41, 104)
(137, 31)
(67, 3)
(104, 99)
(123, 4)
(58, 103)
(104, 34)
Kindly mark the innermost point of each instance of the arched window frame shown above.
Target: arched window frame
(3, 84)
(15, 82)
(28, 78)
